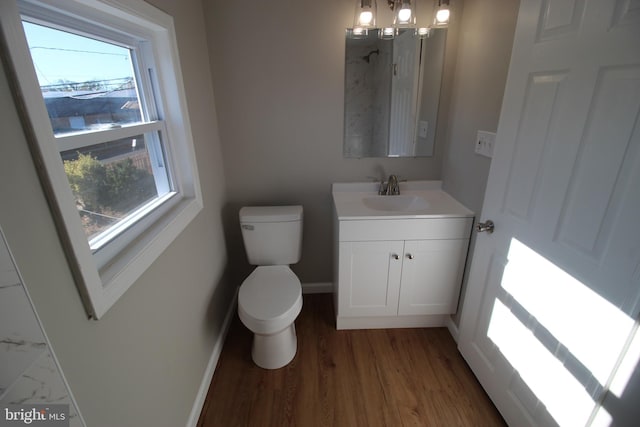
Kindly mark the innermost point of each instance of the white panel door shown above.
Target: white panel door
(431, 276)
(369, 277)
(554, 292)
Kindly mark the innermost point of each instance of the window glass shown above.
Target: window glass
(86, 84)
(109, 181)
(89, 88)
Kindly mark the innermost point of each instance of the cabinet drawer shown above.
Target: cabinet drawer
(405, 229)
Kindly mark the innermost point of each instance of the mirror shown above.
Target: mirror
(392, 93)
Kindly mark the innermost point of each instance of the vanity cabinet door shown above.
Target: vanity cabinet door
(369, 276)
(431, 276)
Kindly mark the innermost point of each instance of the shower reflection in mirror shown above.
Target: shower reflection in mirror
(392, 92)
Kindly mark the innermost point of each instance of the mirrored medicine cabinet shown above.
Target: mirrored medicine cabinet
(392, 94)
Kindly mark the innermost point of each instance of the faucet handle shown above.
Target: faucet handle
(382, 189)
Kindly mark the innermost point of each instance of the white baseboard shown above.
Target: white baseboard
(317, 288)
(211, 366)
(453, 328)
(384, 322)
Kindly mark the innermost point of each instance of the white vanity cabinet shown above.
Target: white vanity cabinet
(399, 283)
(369, 278)
(398, 269)
(400, 278)
(431, 276)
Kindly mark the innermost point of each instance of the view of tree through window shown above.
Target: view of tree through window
(89, 87)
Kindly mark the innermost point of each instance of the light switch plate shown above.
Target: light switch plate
(484, 143)
(423, 128)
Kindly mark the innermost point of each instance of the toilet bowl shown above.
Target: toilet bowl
(270, 299)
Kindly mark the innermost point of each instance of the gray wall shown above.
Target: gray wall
(142, 364)
(484, 50)
(278, 73)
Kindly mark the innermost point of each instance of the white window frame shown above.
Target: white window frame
(105, 273)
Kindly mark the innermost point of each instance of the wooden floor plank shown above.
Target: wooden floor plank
(392, 377)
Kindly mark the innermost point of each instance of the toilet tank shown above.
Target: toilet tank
(272, 235)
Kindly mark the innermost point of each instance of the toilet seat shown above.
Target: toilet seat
(269, 299)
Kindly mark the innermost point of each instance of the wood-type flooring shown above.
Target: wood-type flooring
(391, 377)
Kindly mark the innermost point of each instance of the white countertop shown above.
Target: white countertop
(348, 199)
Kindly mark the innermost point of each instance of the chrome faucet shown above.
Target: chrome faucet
(393, 188)
(389, 188)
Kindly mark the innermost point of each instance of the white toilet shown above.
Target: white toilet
(270, 299)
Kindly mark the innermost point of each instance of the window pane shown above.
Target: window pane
(110, 181)
(86, 84)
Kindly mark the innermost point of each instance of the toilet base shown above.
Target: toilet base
(276, 350)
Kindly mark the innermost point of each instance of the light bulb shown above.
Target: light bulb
(404, 15)
(365, 14)
(442, 15)
(366, 17)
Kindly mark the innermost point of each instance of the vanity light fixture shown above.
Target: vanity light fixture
(364, 17)
(357, 33)
(423, 32)
(386, 33)
(441, 15)
(404, 14)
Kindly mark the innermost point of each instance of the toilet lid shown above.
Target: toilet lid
(270, 292)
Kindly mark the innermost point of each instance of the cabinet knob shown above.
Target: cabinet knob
(410, 256)
(395, 256)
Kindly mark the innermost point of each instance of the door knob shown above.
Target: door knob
(487, 226)
(395, 256)
(410, 256)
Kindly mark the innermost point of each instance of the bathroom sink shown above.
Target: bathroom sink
(399, 203)
(417, 199)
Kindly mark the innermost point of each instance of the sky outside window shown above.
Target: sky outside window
(60, 57)
(86, 84)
